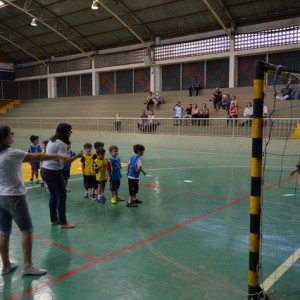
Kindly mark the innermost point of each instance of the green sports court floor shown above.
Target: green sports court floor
(188, 240)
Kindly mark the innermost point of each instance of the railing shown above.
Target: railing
(280, 127)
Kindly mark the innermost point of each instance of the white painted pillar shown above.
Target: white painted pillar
(232, 65)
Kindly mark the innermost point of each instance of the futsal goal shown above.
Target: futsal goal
(274, 238)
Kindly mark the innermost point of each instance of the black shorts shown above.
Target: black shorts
(133, 185)
(88, 181)
(115, 185)
(66, 174)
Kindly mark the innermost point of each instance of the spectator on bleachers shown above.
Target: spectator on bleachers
(188, 114)
(204, 114)
(195, 86)
(143, 120)
(151, 117)
(159, 99)
(235, 101)
(217, 99)
(118, 122)
(226, 102)
(232, 114)
(150, 102)
(195, 115)
(248, 113)
(178, 108)
(286, 93)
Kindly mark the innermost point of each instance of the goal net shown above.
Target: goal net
(274, 238)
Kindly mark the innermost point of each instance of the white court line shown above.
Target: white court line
(266, 285)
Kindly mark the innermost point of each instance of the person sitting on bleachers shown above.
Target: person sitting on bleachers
(248, 113)
(151, 102)
(151, 124)
(195, 86)
(204, 114)
(286, 93)
(178, 108)
(226, 102)
(232, 114)
(195, 114)
(217, 99)
(159, 99)
(188, 114)
(142, 121)
(235, 101)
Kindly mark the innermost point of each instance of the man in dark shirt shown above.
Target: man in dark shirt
(217, 99)
(195, 86)
(286, 93)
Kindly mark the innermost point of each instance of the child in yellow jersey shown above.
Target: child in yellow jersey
(100, 169)
(87, 171)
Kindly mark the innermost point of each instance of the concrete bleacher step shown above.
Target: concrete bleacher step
(131, 105)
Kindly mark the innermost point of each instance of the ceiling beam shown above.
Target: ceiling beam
(54, 26)
(222, 15)
(126, 18)
(17, 45)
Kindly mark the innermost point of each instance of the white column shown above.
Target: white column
(232, 65)
(51, 87)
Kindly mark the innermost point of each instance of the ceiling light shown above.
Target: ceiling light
(94, 5)
(33, 22)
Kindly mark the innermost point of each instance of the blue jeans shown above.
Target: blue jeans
(14, 208)
(57, 202)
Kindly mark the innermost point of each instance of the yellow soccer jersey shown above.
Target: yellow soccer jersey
(87, 162)
(101, 173)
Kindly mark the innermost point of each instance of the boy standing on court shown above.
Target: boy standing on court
(100, 170)
(35, 166)
(135, 167)
(86, 167)
(114, 174)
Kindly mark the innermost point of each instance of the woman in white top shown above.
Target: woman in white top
(52, 174)
(13, 205)
(248, 113)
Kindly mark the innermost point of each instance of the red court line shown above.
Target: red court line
(65, 248)
(133, 246)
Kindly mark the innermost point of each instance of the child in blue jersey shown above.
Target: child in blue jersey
(114, 174)
(135, 167)
(67, 167)
(35, 166)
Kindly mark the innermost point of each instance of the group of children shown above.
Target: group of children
(97, 169)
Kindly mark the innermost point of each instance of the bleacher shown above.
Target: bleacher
(131, 105)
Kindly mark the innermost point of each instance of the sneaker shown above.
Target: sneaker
(113, 200)
(86, 196)
(101, 199)
(38, 182)
(34, 270)
(31, 180)
(67, 225)
(42, 184)
(137, 201)
(131, 204)
(68, 190)
(120, 199)
(13, 266)
(92, 197)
